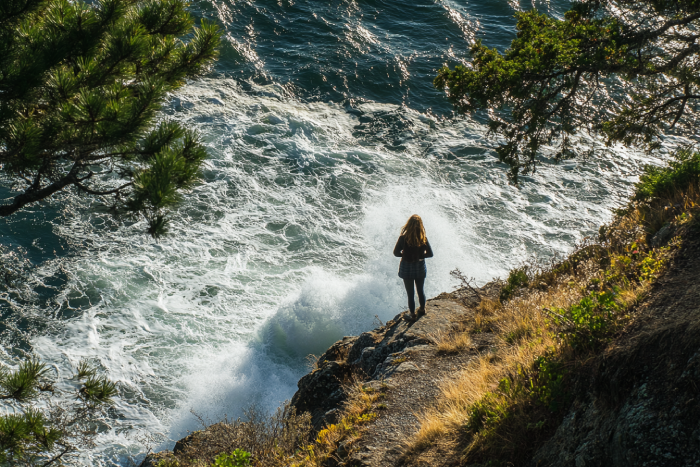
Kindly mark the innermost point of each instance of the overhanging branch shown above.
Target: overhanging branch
(34, 195)
(101, 193)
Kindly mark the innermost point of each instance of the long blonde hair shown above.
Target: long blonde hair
(414, 232)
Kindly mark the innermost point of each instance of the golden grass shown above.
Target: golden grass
(515, 323)
(356, 412)
(312, 362)
(451, 343)
(360, 398)
(432, 428)
(488, 307)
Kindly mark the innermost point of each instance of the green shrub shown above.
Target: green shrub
(548, 382)
(267, 437)
(589, 322)
(238, 458)
(652, 265)
(656, 182)
(543, 383)
(489, 411)
(517, 279)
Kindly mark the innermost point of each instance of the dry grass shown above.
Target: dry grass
(488, 307)
(273, 440)
(452, 343)
(356, 412)
(520, 324)
(359, 399)
(312, 362)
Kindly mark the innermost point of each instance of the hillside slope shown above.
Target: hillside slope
(641, 404)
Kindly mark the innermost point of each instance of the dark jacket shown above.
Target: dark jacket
(412, 253)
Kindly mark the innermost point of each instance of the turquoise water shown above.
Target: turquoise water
(325, 134)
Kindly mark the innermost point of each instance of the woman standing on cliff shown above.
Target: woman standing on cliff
(413, 247)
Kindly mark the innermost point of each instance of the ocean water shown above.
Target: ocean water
(325, 134)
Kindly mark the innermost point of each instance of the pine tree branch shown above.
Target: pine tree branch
(83, 85)
(65, 451)
(646, 35)
(100, 193)
(682, 108)
(32, 195)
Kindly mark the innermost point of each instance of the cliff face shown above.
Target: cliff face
(372, 356)
(641, 405)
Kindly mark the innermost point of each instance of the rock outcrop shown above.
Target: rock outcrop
(368, 356)
(397, 353)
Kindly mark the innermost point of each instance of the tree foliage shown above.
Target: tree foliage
(80, 86)
(627, 69)
(40, 437)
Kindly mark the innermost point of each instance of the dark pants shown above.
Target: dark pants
(408, 283)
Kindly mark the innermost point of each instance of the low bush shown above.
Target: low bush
(238, 458)
(588, 324)
(681, 173)
(259, 438)
(517, 279)
(282, 439)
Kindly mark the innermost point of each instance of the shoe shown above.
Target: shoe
(421, 311)
(410, 316)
